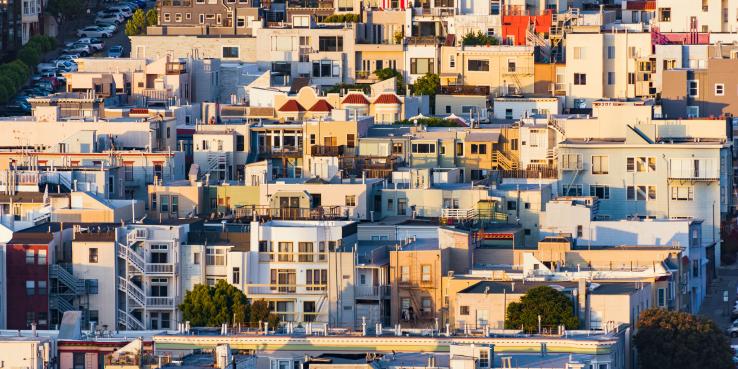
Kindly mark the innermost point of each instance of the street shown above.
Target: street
(714, 307)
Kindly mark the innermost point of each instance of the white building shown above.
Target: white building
(304, 269)
(700, 16)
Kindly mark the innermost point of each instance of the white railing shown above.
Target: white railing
(130, 321)
(132, 291)
(160, 302)
(458, 213)
(694, 169)
(159, 268)
(135, 259)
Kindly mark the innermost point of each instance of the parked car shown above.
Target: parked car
(81, 49)
(108, 26)
(60, 77)
(126, 10)
(115, 51)
(46, 85)
(733, 330)
(94, 31)
(46, 67)
(66, 66)
(68, 56)
(95, 43)
(109, 17)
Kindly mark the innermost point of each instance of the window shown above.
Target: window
(175, 204)
(305, 252)
(610, 78)
(640, 164)
(484, 358)
(611, 52)
(459, 149)
(230, 51)
(30, 257)
(215, 256)
(512, 205)
(423, 148)
(42, 287)
(167, 17)
(425, 273)
(78, 359)
(178, 17)
(154, 205)
(601, 191)
(572, 190)
(326, 68)
(405, 273)
(159, 287)
(390, 204)
(463, 310)
(350, 140)
(719, 89)
(91, 286)
(600, 165)
(693, 88)
(236, 275)
(452, 61)
(665, 15)
(128, 170)
(571, 161)
(580, 79)
(448, 109)
(312, 138)
(350, 200)
(316, 279)
(165, 204)
(201, 18)
(511, 65)
(30, 288)
(693, 111)
(508, 113)
(640, 193)
(421, 65)
(695, 268)
(330, 43)
(578, 53)
(426, 305)
(196, 258)
(478, 65)
(661, 297)
(41, 257)
(682, 193)
(93, 257)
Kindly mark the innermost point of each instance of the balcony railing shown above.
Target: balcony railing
(319, 150)
(301, 257)
(372, 291)
(160, 302)
(318, 213)
(280, 289)
(284, 151)
(464, 90)
(159, 268)
(176, 2)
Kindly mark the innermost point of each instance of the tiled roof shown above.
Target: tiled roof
(321, 106)
(387, 99)
(355, 99)
(291, 106)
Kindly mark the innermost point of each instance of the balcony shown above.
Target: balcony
(288, 257)
(280, 152)
(160, 302)
(174, 68)
(694, 170)
(160, 269)
(372, 292)
(464, 90)
(281, 289)
(319, 150)
(266, 213)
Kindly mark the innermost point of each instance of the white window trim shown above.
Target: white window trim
(697, 87)
(230, 46)
(722, 87)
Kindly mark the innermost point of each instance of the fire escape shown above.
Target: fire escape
(68, 293)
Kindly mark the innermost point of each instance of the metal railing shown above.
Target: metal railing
(160, 302)
(372, 291)
(279, 289)
(265, 212)
(320, 150)
(160, 268)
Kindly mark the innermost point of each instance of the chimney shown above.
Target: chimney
(582, 297)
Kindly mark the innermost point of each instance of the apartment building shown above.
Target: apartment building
(607, 65)
(94, 260)
(708, 92)
(648, 168)
(304, 269)
(149, 282)
(696, 16)
(205, 18)
(504, 70)
(379, 44)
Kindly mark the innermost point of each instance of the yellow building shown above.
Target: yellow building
(503, 69)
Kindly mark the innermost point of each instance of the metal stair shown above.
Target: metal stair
(74, 285)
(135, 261)
(60, 304)
(134, 293)
(129, 321)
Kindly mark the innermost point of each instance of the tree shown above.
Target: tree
(678, 340)
(428, 85)
(260, 313)
(65, 9)
(479, 38)
(554, 308)
(29, 55)
(13, 76)
(139, 21)
(5, 93)
(206, 306)
(387, 73)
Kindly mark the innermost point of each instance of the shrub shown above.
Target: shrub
(342, 18)
(29, 55)
(5, 94)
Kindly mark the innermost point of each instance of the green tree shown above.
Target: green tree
(138, 22)
(260, 313)
(479, 38)
(554, 308)
(14, 76)
(5, 94)
(342, 18)
(428, 85)
(387, 73)
(152, 18)
(65, 9)
(206, 306)
(29, 55)
(678, 340)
